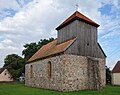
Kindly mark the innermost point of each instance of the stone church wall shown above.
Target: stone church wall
(69, 73)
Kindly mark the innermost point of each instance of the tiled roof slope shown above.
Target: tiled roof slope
(116, 69)
(77, 16)
(51, 49)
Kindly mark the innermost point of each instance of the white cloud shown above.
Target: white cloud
(39, 18)
(1, 46)
(6, 4)
(7, 41)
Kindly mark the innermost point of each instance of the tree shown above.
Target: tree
(31, 48)
(9, 59)
(108, 75)
(15, 64)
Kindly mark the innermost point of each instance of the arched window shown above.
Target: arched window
(31, 71)
(49, 70)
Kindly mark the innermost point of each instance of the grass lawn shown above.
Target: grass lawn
(20, 89)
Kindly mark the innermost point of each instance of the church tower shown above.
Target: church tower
(85, 31)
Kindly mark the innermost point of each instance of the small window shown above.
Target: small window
(31, 71)
(87, 44)
(49, 70)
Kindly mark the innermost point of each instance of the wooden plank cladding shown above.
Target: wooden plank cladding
(86, 43)
(67, 32)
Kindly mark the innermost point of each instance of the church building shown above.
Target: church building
(72, 62)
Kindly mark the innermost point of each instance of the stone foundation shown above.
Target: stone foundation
(68, 73)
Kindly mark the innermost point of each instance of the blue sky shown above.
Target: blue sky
(25, 21)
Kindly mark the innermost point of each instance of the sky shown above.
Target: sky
(26, 21)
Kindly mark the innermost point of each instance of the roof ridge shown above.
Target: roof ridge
(77, 16)
(77, 12)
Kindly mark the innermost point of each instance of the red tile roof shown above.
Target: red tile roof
(51, 49)
(77, 16)
(116, 69)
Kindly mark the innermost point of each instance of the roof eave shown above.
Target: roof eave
(44, 57)
(102, 50)
(76, 18)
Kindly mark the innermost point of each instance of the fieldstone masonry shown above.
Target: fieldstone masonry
(68, 73)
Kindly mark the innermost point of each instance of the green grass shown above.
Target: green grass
(20, 89)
